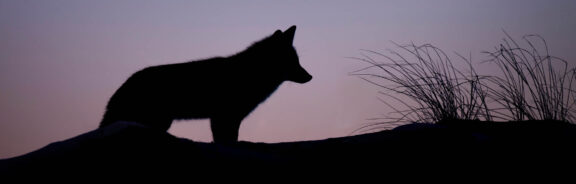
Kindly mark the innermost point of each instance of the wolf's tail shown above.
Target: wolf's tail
(106, 120)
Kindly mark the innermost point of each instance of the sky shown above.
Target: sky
(60, 60)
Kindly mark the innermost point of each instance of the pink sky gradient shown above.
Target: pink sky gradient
(60, 60)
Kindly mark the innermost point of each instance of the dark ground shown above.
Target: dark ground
(129, 148)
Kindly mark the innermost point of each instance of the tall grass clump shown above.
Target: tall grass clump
(533, 85)
(423, 80)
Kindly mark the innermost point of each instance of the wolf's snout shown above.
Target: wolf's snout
(302, 76)
(306, 78)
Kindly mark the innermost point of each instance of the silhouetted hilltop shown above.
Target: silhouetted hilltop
(126, 147)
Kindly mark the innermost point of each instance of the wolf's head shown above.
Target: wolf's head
(278, 54)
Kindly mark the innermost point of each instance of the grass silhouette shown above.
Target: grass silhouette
(424, 81)
(533, 84)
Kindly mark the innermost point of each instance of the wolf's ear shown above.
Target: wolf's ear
(289, 34)
(277, 33)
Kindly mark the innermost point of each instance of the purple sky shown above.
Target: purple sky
(60, 60)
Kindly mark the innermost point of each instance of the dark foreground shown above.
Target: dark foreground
(128, 148)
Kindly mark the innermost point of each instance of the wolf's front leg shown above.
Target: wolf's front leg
(225, 130)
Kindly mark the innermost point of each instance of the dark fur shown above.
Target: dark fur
(223, 89)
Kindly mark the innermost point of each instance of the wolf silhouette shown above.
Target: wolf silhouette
(224, 89)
